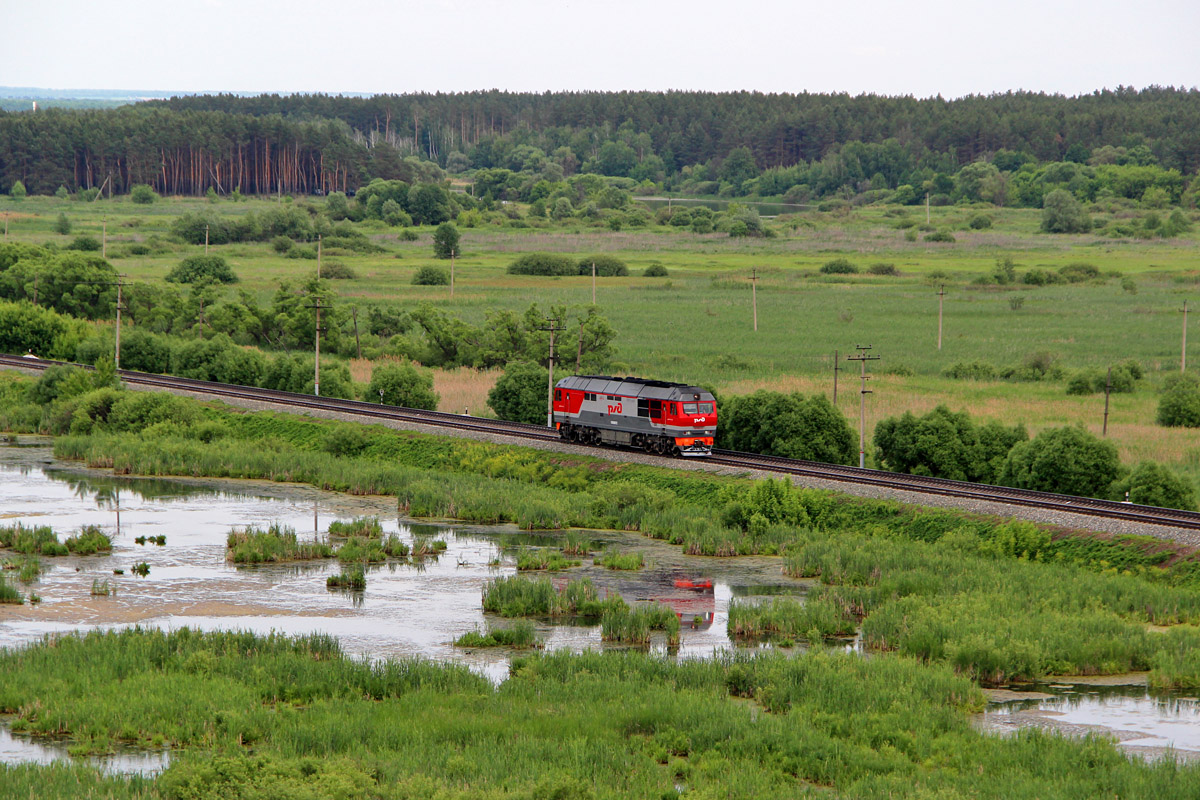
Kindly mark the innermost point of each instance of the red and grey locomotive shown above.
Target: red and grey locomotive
(659, 417)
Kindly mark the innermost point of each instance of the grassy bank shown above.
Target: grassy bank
(293, 718)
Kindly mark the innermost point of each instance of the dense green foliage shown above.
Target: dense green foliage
(945, 444)
(195, 269)
(521, 393)
(402, 385)
(789, 425)
(1066, 460)
(1180, 403)
(445, 240)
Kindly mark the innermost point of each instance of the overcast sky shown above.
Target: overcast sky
(920, 48)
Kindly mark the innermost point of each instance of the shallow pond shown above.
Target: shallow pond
(407, 609)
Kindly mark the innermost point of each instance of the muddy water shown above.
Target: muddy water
(407, 609)
(1142, 723)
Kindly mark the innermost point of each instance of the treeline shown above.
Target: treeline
(673, 140)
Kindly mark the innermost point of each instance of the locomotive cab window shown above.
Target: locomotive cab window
(697, 408)
(558, 394)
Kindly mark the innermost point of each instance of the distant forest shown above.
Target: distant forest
(799, 147)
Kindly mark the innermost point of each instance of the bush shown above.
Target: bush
(1152, 484)
(142, 194)
(431, 276)
(606, 266)
(1062, 213)
(445, 240)
(940, 236)
(789, 425)
(85, 243)
(655, 270)
(945, 444)
(543, 264)
(17, 191)
(884, 269)
(1179, 406)
(198, 268)
(1066, 460)
(980, 222)
(521, 393)
(281, 244)
(337, 271)
(62, 224)
(402, 385)
(1079, 272)
(1041, 277)
(970, 371)
(838, 266)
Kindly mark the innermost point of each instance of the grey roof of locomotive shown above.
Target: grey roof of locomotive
(631, 387)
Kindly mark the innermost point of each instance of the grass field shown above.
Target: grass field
(696, 325)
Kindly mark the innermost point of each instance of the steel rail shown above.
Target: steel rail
(833, 472)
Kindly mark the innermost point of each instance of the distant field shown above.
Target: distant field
(696, 324)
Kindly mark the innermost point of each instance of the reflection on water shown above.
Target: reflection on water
(28, 750)
(1136, 718)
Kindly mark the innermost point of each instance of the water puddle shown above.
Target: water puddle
(1143, 724)
(27, 750)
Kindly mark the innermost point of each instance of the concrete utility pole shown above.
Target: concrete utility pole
(941, 297)
(593, 283)
(119, 283)
(318, 256)
(754, 294)
(317, 348)
(862, 358)
(927, 208)
(205, 240)
(452, 273)
(1107, 390)
(552, 327)
(1183, 347)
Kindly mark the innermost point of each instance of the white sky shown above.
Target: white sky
(921, 47)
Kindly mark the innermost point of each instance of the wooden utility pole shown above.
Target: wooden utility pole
(552, 327)
(862, 358)
(754, 294)
(452, 273)
(205, 240)
(1183, 347)
(941, 297)
(357, 343)
(117, 354)
(836, 369)
(1107, 390)
(593, 283)
(318, 256)
(927, 208)
(104, 238)
(6, 226)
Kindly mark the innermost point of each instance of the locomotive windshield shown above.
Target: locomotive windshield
(697, 408)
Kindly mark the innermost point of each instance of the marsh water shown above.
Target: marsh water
(414, 608)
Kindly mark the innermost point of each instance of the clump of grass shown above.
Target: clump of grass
(576, 544)
(39, 540)
(359, 526)
(521, 597)
(790, 618)
(102, 588)
(361, 549)
(540, 558)
(352, 578)
(141, 568)
(89, 541)
(519, 635)
(160, 540)
(424, 546)
(9, 594)
(395, 547)
(611, 559)
(277, 543)
(139, 540)
(30, 570)
(633, 625)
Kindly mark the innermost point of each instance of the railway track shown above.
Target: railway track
(1150, 515)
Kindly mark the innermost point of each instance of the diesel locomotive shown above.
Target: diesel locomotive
(656, 416)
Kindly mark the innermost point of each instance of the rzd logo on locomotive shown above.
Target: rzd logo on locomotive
(615, 409)
(698, 420)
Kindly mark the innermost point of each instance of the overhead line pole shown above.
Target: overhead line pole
(1107, 390)
(754, 294)
(317, 348)
(941, 297)
(862, 358)
(1183, 347)
(552, 327)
